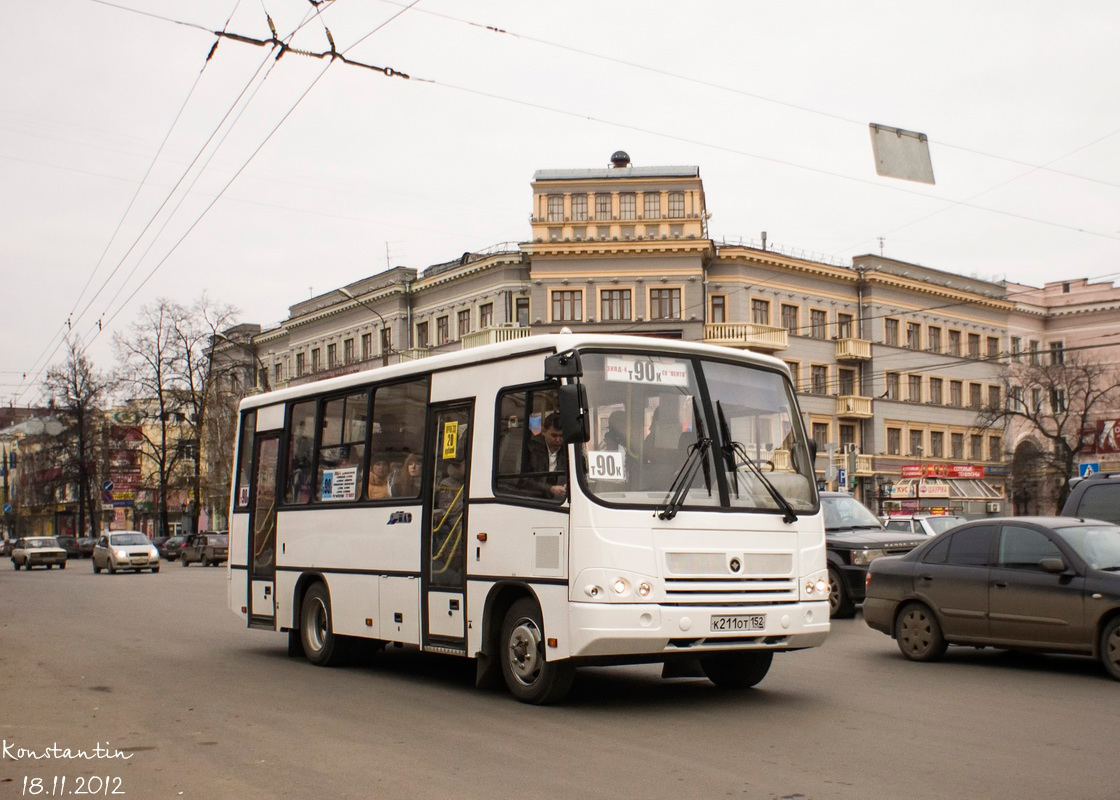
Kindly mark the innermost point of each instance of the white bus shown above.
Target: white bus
(550, 502)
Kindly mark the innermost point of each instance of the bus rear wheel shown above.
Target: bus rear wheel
(320, 644)
(530, 677)
(741, 669)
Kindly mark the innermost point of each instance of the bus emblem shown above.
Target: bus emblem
(399, 516)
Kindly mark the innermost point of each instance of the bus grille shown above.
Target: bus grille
(731, 590)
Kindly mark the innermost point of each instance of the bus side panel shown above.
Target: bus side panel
(519, 541)
(354, 599)
(236, 573)
(399, 599)
(375, 538)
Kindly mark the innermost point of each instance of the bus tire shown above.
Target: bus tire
(316, 625)
(530, 677)
(740, 669)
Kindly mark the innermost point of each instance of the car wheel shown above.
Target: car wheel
(96, 569)
(155, 570)
(320, 644)
(62, 565)
(1110, 648)
(15, 565)
(112, 568)
(840, 605)
(531, 678)
(919, 634)
(183, 561)
(50, 566)
(738, 670)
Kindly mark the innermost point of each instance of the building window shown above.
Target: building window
(847, 381)
(995, 448)
(935, 391)
(485, 316)
(916, 438)
(1016, 347)
(933, 336)
(976, 447)
(464, 322)
(421, 334)
(367, 346)
(818, 379)
(651, 205)
(936, 444)
(795, 374)
(893, 386)
(890, 332)
(954, 343)
(993, 347)
(301, 365)
(818, 324)
(627, 206)
(277, 373)
(844, 326)
(974, 396)
(1036, 400)
(914, 335)
(579, 207)
(915, 395)
(719, 308)
(567, 305)
(348, 351)
(316, 361)
(556, 208)
(676, 204)
(894, 441)
(790, 319)
(1058, 400)
(614, 304)
(665, 304)
(1015, 398)
(1032, 345)
(847, 438)
(443, 330)
(956, 445)
(602, 206)
(521, 309)
(760, 312)
(956, 394)
(386, 341)
(332, 356)
(993, 397)
(1057, 353)
(974, 345)
(820, 433)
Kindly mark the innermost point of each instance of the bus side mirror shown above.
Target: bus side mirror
(563, 365)
(573, 413)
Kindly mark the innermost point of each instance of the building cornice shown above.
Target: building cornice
(702, 247)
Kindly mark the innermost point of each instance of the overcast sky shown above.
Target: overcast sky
(132, 168)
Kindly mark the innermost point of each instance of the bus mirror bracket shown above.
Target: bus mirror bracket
(563, 365)
(573, 413)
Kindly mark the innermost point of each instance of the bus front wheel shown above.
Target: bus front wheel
(530, 677)
(320, 644)
(740, 669)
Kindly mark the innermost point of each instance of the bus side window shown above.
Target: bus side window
(527, 438)
(399, 421)
(301, 444)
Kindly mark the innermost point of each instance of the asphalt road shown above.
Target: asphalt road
(156, 667)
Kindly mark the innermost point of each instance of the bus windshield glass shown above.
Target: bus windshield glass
(670, 432)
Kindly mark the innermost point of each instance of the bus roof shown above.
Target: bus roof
(539, 343)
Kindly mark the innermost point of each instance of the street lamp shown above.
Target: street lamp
(384, 345)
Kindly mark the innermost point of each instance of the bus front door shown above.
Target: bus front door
(445, 514)
(262, 533)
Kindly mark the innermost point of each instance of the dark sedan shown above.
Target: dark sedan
(1021, 583)
(70, 545)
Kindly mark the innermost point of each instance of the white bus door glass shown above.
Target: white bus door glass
(446, 526)
(262, 523)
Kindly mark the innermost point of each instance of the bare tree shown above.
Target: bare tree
(1054, 404)
(76, 391)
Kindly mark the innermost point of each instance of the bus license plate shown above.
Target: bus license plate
(739, 622)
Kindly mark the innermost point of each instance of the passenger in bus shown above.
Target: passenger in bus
(547, 454)
(407, 483)
(378, 485)
(447, 527)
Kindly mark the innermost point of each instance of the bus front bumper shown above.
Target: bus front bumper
(609, 629)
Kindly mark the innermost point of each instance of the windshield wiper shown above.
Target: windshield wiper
(731, 449)
(685, 476)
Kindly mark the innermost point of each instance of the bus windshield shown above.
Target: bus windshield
(669, 432)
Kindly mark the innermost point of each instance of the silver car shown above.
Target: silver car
(118, 550)
(38, 551)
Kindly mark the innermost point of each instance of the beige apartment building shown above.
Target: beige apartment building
(892, 360)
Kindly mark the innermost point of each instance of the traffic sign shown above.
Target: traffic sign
(7, 508)
(842, 477)
(107, 486)
(1085, 470)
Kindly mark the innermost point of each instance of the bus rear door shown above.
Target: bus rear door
(262, 533)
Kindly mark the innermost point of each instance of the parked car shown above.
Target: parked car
(923, 524)
(209, 549)
(1021, 583)
(117, 550)
(1095, 497)
(70, 545)
(854, 538)
(172, 548)
(86, 545)
(38, 551)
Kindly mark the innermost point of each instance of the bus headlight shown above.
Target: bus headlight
(592, 590)
(816, 588)
(644, 589)
(620, 586)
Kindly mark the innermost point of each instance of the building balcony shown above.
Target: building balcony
(853, 406)
(502, 333)
(746, 334)
(853, 349)
(865, 465)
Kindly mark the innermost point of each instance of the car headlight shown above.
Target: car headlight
(120, 554)
(861, 558)
(153, 553)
